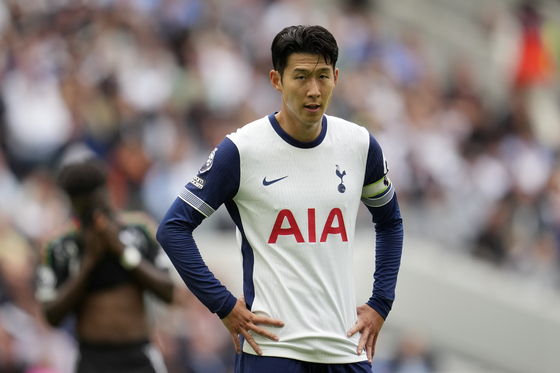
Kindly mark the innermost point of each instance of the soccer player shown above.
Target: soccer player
(292, 183)
(99, 270)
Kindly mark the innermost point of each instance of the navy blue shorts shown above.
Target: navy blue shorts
(247, 363)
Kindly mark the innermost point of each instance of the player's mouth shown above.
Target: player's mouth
(313, 108)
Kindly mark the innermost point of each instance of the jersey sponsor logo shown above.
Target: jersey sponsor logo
(198, 182)
(209, 162)
(341, 186)
(286, 225)
(270, 182)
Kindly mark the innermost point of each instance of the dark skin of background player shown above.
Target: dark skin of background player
(116, 314)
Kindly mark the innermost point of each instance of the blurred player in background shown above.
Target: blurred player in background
(99, 269)
(292, 182)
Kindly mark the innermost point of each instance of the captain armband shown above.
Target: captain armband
(379, 193)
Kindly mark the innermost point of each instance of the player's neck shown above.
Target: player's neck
(296, 129)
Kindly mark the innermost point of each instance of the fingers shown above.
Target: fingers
(362, 342)
(367, 341)
(262, 320)
(370, 346)
(267, 321)
(265, 333)
(249, 339)
(242, 321)
(260, 331)
(356, 328)
(236, 343)
(251, 342)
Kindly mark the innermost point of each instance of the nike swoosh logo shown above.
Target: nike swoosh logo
(267, 183)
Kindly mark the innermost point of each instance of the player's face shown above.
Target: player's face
(306, 87)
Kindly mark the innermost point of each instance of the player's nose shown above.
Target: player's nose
(313, 89)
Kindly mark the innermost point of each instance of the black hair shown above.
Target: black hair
(303, 39)
(86, 184)
(83, 178)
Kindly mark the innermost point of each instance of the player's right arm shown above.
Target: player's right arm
(216, 183)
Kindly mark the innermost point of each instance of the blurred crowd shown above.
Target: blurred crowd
(152, 86)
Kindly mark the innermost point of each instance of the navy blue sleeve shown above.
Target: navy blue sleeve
(381, 200)
(216, 182)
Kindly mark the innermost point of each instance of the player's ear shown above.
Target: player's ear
(276, 80)
(335, 76)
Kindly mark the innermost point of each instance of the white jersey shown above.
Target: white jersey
(298, 207)
(295, 206)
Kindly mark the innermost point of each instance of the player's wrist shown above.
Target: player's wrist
(130, 258)
(381, 308)
(227, 307)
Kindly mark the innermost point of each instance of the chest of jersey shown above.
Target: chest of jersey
(300, 194)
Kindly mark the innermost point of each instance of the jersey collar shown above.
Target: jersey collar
(299, 144)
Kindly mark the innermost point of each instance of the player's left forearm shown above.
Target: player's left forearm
(389, 244)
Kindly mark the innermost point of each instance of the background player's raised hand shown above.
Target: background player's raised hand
(240, 320)
(94, 249)
(108, 232)
(369, 323)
